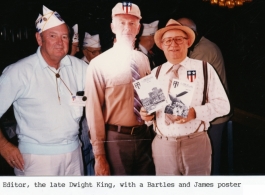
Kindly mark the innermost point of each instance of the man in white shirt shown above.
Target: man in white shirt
(182, 146)
(204, 49)
(42, 88)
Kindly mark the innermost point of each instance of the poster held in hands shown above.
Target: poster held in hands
(180, 97)
(150, 93)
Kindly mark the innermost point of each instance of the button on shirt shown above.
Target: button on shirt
(217, 102)
(110, 93)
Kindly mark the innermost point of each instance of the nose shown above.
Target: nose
(60, 40)
(173, 43)
(127, 27)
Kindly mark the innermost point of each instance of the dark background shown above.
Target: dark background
(239, 32)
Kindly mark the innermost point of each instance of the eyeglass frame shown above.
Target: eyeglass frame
(94, 52)
(173, 38)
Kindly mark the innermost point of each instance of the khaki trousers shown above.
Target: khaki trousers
(52, 165)
(185, 155)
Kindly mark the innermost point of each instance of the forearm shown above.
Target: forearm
(3, 141)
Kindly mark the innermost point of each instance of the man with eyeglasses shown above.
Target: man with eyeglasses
(204, 49)
(91, 47)
(42, 88)
(182, 146)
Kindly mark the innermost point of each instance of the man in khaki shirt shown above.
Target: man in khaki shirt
(121, 143)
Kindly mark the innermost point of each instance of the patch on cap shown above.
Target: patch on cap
(48, 20)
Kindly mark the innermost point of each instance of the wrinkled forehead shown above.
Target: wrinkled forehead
(174, 33)
(61, 29)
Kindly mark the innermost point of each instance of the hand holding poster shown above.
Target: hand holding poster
(150, 93)
(180, 96)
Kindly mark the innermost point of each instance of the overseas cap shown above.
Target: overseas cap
(91, 41)
(48, 20)
(75, 38)
(150, 29)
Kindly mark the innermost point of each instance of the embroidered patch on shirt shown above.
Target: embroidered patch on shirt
(191, 75)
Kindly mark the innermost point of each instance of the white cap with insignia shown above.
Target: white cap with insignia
(48, 20)
(91, 41)
(75, 38)
(150, 29)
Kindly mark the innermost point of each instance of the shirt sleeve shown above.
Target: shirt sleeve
(217, 103)
(95, 92)
(12, 84)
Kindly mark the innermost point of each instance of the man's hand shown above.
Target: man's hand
(145, 116)
(180, 120)
(101, 165)
(12, 155)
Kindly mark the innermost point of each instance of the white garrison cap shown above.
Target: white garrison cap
(48, 20)
(91, 41)
(150, 29)
(75, 38)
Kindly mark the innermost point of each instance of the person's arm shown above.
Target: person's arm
(11, 85)
(11, 153)
(145, 116)
(217, 101)
(95, 92)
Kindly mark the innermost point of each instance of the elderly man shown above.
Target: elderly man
(91, 47)
(121, 141)
(75, 41)
(42, 88)
(147, 42)
(182, 146)
(204, 49)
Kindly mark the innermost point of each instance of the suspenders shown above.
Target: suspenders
(205, 75)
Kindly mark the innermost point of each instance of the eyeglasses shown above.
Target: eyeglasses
(178, 40)
(95, 52)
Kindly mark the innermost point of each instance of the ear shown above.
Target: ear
(84, 51)
(188, 42)
(38, 38)
(139, 26)
(112, 27)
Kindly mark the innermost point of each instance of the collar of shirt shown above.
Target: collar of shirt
(142, 48)
(85, 59)
(168, 66)
(64, 62)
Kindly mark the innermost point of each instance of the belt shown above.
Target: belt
(136, 130)
(182, 137)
